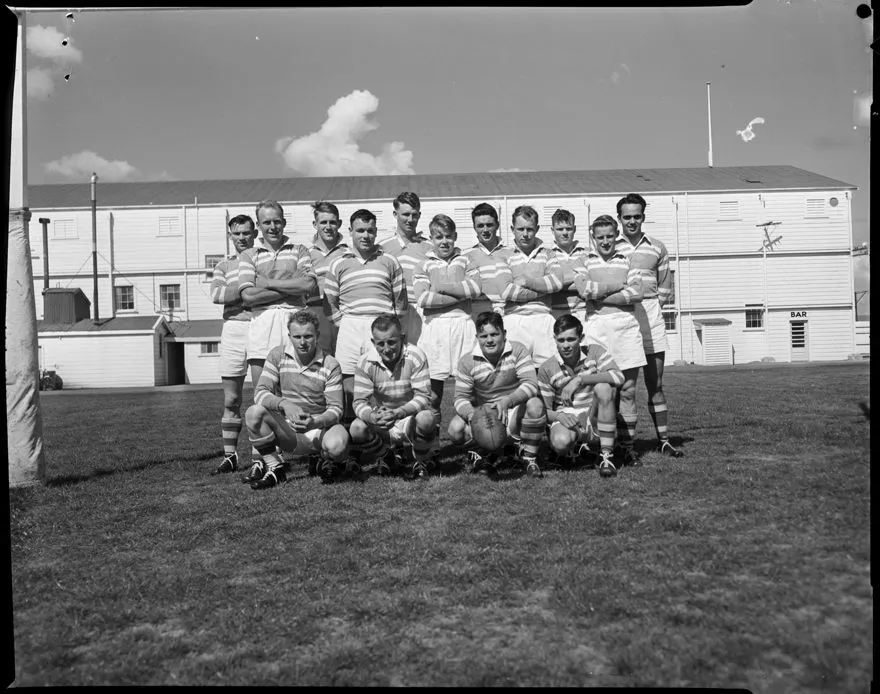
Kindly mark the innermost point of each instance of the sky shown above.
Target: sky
(266, 93)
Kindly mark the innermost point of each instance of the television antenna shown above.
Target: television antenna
(769, 243)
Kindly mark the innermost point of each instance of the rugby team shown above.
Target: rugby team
(350, 342)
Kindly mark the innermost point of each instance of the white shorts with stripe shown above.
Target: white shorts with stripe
(268, 330)
(306, 443)
(586, 432)
(234, 348)
(353, 338)
(653, 328)
(618, 333)
(535, 331)
(445, 339)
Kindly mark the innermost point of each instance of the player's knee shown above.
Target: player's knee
(425, 423)
(457, 430)
(534, 408)
(232, 401)
(335, 443)
(359, 430)
(254, 416)
(603, 392)
(561, 438)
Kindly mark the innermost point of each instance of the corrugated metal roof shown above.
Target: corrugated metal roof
(118, 324)
(479, 185)
(195, 329)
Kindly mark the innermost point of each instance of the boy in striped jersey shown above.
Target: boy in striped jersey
(577, 386)
(274, 278)
(536, 276)
(361, 284)
(392, 401)
(499, 372)
(490, 256)
(650, 258)
(612, 290)
(572, 256)
(327, 246)
(298, 405)
(233, 337)
(410, 248)
(444, 287)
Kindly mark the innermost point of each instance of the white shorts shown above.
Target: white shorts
(652, 326)
(411, 323)
(306, 443)
(400, 432)
(619, 334)
(234, 348)
(445, 339)
(352, 340)
(535, 332)
(268, 330)
(587, 434)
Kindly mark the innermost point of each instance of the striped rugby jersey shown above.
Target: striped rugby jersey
(408, 386)
(364, 287)
(477, 382)
(554, 374)
(650, 257)
(321, 259)
(281, 264)
(494, 272)
(567, 299)
(539, 264)
(436, 271)
(615, 270)
(224, 290)
(411, 255)
(315, 387)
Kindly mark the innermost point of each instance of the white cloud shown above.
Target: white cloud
(82, 164)
(514, 170)
(48, 42)
(39, 83)
(334, 150)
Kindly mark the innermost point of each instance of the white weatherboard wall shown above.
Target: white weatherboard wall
(101, 360)
(200, 368)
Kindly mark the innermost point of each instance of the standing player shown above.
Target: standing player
(327, 246)
(501, 373)
(410, 248)
(298, 404)
(572, 256)
(444, 287)
(274, 277)
(490, 256)
(612, 290)
(650, 258)
(577, 386)
(361, 284)
(536, 276)
(392, 401)
(233, 337)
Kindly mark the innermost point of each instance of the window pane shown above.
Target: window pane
(124, 298)
(169, 296)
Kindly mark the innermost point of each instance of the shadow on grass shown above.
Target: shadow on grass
(71, 479)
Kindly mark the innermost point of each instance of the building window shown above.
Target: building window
(169, 296)
(64, 229)
(210, 348)
(169, 226)
(669, 319)
(815, 207)
(124, 298)
(210, 262)
(729, 209)
(754, 316)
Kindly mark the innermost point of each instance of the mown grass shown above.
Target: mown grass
(744, 564)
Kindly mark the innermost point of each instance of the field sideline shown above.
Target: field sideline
(744, 564)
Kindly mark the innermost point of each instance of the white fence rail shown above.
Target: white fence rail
(863, 337)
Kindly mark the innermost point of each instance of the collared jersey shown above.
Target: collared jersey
(567, 299)
(315, 387)
(478, 382)
(225, 290)
(410, 254)
(321, 260)
(358, 287)
(650, 257)
(494, 272)
(615, 270)
(281, 264)
(408, 386)
(436, 271)
(539, 264)
(554, 374)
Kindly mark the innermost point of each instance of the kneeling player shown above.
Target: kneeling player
(297, 405)
(500, 373)
(392, 401)
(576, 386)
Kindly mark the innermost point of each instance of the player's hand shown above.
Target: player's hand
(590, 367)
(567, 394)
(303, 423)
(519, 281)
(291, 412)
(501, 407)
(567, 419)
(382, 417)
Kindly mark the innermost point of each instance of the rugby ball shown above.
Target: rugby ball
(487, 429)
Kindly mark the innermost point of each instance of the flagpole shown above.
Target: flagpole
(709, 113)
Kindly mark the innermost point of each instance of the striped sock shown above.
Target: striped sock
(265, 448)
(607, 434)
(230, 428)
(660, 416)
(626, 429)
(532, 432)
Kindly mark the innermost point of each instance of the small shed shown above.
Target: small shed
(194, 351)
(714, 335)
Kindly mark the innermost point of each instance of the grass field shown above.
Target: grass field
(745, 564)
